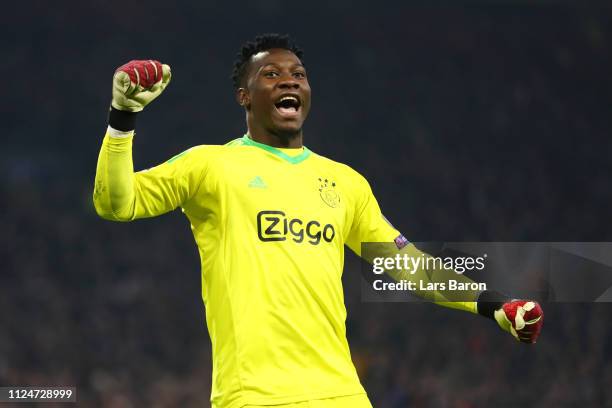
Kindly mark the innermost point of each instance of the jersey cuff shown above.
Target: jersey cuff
(122, 120)
(119, 134)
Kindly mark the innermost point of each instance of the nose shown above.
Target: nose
(288, 82)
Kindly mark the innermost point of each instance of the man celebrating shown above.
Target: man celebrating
(270, 219)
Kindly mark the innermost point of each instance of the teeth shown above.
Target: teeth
(291, 98)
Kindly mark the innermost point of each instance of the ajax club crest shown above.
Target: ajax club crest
(329, 195)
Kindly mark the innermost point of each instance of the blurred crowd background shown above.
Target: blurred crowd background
(471, 122)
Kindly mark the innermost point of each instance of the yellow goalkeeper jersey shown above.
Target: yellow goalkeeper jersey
(271, 229)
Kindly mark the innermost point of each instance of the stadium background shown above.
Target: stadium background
(472, 122)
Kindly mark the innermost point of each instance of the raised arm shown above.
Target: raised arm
(120, 194)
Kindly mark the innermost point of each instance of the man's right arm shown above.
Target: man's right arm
(120, 194)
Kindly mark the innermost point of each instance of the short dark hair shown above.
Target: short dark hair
(261, 43)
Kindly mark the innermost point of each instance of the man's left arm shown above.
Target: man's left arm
(522, 318)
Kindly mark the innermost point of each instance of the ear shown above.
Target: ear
(243, 98)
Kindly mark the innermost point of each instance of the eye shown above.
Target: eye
(299, 75)
(271, 74)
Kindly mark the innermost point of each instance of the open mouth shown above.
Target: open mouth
(288, 105)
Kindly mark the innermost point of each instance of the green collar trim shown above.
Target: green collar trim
(247, 141)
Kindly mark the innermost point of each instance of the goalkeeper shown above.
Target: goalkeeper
(271, 220)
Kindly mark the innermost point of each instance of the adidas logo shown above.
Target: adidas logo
(257, 182)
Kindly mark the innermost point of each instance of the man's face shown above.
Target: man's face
(277, 94)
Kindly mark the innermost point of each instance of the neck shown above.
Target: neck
(275, 139)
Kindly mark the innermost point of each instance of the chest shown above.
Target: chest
(303, 202)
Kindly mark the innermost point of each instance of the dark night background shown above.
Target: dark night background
(481, 121)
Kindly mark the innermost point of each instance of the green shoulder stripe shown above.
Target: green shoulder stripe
(235, 142)
(177, 156)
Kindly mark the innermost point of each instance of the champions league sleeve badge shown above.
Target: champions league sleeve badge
(401, 241)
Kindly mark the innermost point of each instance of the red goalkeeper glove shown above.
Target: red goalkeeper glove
(138, 83)
(135, 85)
(521, 318)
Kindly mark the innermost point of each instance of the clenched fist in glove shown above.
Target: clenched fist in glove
(521, 318)
(137, 83)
